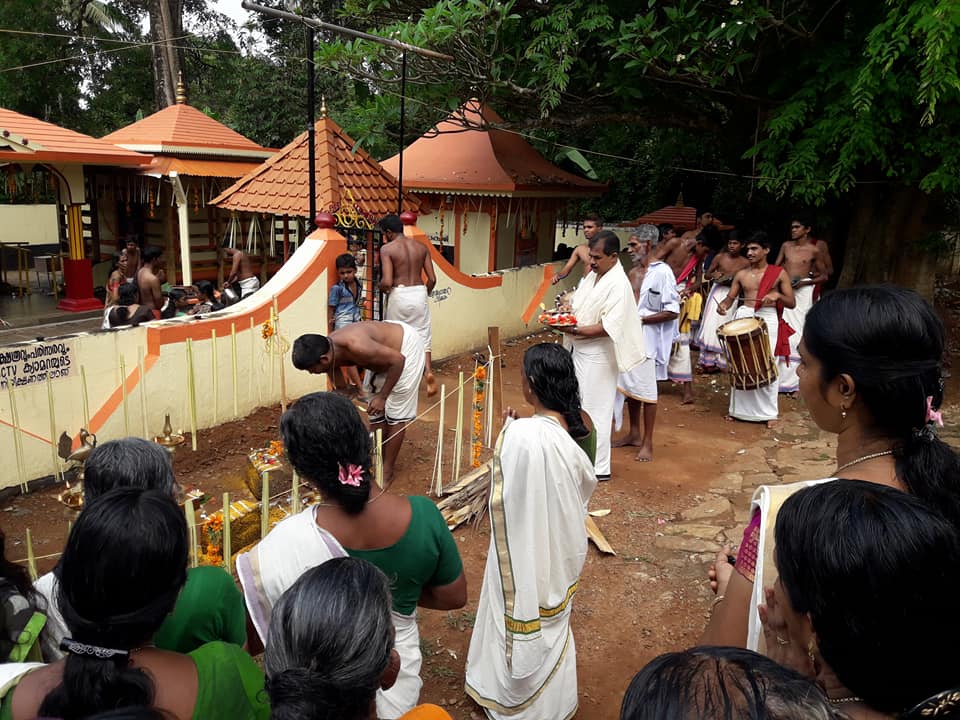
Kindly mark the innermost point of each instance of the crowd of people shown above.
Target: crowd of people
(137, 290)
(838, 602)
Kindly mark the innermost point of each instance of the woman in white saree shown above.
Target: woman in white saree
(522, 658)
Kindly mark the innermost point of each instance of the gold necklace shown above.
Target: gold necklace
(848, 699)
(871, 456)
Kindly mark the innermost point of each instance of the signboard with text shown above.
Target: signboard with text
(35, 363)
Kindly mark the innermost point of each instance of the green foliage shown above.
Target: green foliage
(48, 91)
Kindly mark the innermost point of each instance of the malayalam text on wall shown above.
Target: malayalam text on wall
(35, 362)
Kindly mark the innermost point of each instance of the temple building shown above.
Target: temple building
(350, 185)
(490, 201)
(194, 157)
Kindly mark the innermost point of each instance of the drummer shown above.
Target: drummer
(725, 265)
(765, 291)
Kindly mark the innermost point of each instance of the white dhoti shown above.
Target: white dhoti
(522, 660)
(680, 370)
(758, 405)
(639, 384)
(248, 286)
(401, 405)
(711, 353)
(405, 693)
(410, 304)
(595, 364)
(795, 317)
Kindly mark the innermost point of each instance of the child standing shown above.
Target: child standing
(345, 306)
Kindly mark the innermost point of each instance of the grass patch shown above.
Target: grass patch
(442, 672)
(463, 620)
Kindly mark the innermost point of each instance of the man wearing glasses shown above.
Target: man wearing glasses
(807, 263)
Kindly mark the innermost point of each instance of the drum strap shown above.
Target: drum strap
(784, 331)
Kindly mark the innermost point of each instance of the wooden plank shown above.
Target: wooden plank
(593, 532)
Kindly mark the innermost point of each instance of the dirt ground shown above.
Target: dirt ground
(666, 520)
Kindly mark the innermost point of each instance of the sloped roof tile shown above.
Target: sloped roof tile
(24, 139)
(462, 153)
(183, 130)
(280, 185)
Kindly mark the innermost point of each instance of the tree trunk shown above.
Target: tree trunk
(887, 238)
(166, 21)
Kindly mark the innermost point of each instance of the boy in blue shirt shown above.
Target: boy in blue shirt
(345, 306)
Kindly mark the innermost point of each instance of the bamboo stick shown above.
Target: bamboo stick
(279, 341)
(265, 505)
(234, 362)
(192, 395)
(253, 364)
(123, 389)
(86, 398)
(458, 436)
(17, 439)
(31, 560)
(143, 393)
(53, 429)
(216, 375)
(226, 532)
(437, 485)
(295, 493)
(488, 436)
(192, 530)
(378, 458)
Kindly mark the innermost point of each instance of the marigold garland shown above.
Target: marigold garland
(480, 386)
(213, 530)
(267, 331)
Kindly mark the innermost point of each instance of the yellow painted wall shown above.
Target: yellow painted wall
(462, 311)
(34, 224)
(475, 243)
(106, 357)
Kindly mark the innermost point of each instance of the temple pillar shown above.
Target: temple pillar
(77, 269)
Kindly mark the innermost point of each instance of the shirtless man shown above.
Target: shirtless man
(392, 354)
(241, 272)
(592, 224)
(676, 250)
(149, 282)
(404, 263)
(765, 289)
(134, 261)
(807, 262)
(724, 266)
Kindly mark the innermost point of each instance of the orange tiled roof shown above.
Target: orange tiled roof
(164, 164)
(183, 130)
(451, 159)
(24, 139)
(680, 216)
(280, 185)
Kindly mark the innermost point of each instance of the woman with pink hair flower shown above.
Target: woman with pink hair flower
(329, 446)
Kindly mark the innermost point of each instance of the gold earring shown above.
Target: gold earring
(811, 646)
(843, 413)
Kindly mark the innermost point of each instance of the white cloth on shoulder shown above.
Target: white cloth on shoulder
(767, 501)
(411, 304)
(275, 563)
(522, 658)
(606, 299)
(795, 317)
(292, 547)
